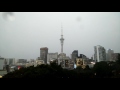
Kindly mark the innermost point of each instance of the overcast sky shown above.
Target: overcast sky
(23, 33)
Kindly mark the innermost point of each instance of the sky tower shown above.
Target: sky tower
(61, 39)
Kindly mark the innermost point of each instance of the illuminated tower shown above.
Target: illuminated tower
(61, 39)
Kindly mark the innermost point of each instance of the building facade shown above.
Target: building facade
(74, 55)
(71, 64)
(38, 62)
(51, 56)
(83, 56)
(61, 57)
(115, 56)
(21, 62)
(100, 53)
(10, 61)
(43, 54)
(2, 63)
(66, 62)
(79, 61)
(109, 55)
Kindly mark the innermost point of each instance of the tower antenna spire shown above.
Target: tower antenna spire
(61, 29)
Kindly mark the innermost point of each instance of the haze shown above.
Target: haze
(23, 34)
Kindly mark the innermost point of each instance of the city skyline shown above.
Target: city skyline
(22, 37)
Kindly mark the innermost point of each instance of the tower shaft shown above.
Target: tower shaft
(61, 48)
(61, 39)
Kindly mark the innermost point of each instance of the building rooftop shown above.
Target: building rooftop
(43, 48)
(53, 53)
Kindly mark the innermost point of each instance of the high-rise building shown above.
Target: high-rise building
(51, 56)
(43, 54)
(109, 54)
(100, 53)
(74, 55)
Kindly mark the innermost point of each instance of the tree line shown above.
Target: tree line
(101, 69)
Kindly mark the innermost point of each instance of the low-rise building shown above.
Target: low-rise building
(66, 62)
(115, 56)
(71, 64)
(21, 62)
(10, 61)
(38, 62)
(2, 73)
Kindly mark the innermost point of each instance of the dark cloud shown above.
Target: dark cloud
(23, 37)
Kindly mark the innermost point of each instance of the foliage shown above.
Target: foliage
(102, 69)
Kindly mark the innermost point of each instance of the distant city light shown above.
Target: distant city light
(0, 76)
(92, 62)
(19, 67)
(74, 65)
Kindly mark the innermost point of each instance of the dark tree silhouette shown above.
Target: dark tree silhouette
(102, 69)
